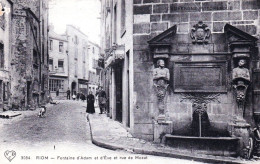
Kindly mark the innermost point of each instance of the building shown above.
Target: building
(78, 59)
(5, 54)
(93, 53)
(202, 44)
(72, 62)
(58, 64)
(24, 39)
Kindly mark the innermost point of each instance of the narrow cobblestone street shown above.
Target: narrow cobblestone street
(63, 134)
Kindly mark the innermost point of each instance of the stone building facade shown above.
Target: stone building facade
(58, 64)
(72, 62)
(93, 53)
(193, 70)
(27, 55)
(5, 54)
(78, 59)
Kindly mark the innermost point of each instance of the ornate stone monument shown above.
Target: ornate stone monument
(241, 80)
(161, 77)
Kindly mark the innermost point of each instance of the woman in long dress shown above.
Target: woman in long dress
(90, 103)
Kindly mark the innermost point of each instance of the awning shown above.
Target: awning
(116, 55)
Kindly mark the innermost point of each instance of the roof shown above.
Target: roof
(95, 44)
(56, 36)
(76, 29)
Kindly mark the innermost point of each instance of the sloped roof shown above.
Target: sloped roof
(54, 35)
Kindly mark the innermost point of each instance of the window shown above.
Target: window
(76, 68)
(84, 55)
(36, 33)
(93, 63)
(122, 16)
(2, 56)
(76, 40)
(76, 53)
(51, 44)
(84, 71)
(35, 57)
(115, 25)
(60, 65)
(43, 27)
(50, 64)
(60, 46)
(93, 50)
(55, 84)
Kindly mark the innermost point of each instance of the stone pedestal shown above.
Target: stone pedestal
(160, 129)
(239, 128)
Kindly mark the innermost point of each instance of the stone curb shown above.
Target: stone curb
(208, 159)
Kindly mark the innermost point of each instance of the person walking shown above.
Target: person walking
(68, 94)
(57, 91)
(78, 96)
(74, 95)
(90, 103)
(102, 99)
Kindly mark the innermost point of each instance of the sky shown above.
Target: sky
(83, 14)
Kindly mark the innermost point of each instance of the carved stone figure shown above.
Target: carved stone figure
(241, 80)
(200, 33)
(241, 73)
(161, 77)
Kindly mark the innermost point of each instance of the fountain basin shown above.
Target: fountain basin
(219, 146)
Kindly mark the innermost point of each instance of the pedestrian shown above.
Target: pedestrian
(78, 96)
(57, 91)
(74, 95)
(83, 97)
(68, 94)
(102, 99)
(90, 103)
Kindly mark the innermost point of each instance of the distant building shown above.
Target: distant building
(72, 63)
(78, 59)
(58, 64)
(93, 53)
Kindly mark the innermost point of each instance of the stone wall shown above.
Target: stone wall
(29, 45)
(5, 31)
(151, 17)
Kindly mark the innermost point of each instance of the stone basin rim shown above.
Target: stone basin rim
(200, 138)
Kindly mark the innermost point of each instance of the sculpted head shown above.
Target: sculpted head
(160, 63)
(241, 62)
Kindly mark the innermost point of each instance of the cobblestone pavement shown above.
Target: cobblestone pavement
(62, 136)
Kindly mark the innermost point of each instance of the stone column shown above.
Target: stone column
(241, 79)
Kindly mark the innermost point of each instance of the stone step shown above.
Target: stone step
(9, 114)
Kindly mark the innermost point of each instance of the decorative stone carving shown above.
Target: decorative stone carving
(200, 98)
(241, 80)
(200, 33)
(161, 77)
(200, 121)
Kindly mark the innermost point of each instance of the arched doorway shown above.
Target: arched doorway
(73, 87)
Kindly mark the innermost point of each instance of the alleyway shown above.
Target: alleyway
(62, 135)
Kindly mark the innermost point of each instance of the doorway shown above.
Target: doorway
(1, 95)
(118, 89)
(128, 89)
(73, 88)
(28, 93)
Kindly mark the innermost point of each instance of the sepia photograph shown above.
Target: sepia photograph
(129, 81)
